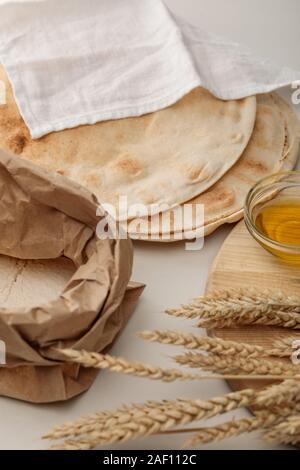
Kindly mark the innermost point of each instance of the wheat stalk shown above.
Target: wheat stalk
(120, 365)
(165, 416)
(215, 346)
(228, 365)
(275, 405)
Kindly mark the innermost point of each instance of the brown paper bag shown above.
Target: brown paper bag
(45, 216)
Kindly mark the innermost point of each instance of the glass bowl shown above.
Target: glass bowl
(272, 215)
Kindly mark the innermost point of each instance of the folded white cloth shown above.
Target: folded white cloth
(82, 61)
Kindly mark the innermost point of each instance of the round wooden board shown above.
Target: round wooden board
(243, 263)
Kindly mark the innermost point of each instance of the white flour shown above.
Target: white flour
(26, 284)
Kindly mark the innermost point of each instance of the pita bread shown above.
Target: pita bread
(166, 157)
(273, 147)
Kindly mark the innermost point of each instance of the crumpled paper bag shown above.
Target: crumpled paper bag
(45, 216)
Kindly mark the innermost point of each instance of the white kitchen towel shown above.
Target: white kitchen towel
(75, 62)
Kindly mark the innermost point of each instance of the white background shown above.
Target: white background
(173, 276)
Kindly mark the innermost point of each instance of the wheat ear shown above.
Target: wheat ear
(233, 317)
(287, 391)
(231, 428)
(235, 365)
(278, 400)
(263, 419)
(107, 419)
(212, 345)
(167, 415)
(238, 302)
(287, 345)
(287, 432)
(276, 319)
(252, 295)
(120, 365)
(150, 372)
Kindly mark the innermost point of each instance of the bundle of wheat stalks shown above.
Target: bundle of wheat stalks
(276, 408)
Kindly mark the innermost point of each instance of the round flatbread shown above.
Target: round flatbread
(166, 157)
(273, 147)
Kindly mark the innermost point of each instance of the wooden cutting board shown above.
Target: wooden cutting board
(243, 263)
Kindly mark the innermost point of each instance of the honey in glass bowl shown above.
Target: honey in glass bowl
(272, 215)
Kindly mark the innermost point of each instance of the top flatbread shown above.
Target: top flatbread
(166, 157)
(273, 147)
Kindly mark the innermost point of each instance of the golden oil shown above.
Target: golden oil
(279, 220)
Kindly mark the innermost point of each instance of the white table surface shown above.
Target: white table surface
(173, 275)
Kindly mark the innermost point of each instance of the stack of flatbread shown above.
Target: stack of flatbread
(201, 150)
